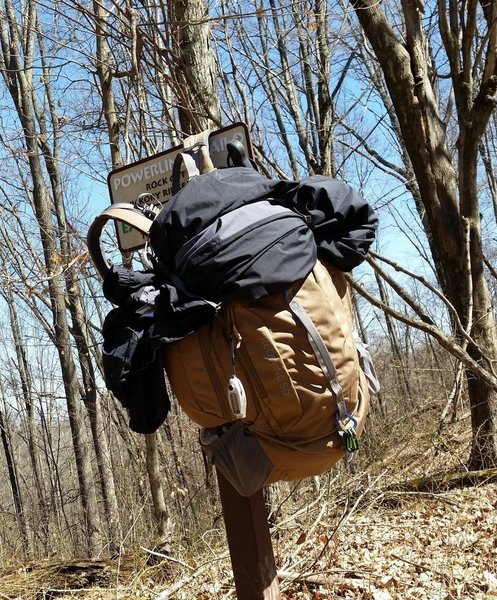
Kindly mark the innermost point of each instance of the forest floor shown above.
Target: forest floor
(382, 535)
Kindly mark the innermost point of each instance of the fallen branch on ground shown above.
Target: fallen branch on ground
(441, 482)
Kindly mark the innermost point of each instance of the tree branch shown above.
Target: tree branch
(444, 340)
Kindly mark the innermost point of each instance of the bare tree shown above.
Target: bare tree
(277, 62)
(193, 69)
(27, 395)
(447, 185)
(17, 67)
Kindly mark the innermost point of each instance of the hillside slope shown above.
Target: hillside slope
(371, 534)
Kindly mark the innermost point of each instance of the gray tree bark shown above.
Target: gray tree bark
(193, 66)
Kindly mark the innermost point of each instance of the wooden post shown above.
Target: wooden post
(249, 544)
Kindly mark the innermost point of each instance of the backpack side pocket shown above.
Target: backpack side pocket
(238, 456)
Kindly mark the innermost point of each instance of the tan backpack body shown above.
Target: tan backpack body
(292, 426)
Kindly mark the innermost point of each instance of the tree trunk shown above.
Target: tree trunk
(193, 67)
(14, 486)
(105, 74)
(448, 197)
(326, 119)
(155, 480)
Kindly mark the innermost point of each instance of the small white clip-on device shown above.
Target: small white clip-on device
(237, 397)
(236, 392)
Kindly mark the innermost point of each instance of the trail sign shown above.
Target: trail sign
(153, 175)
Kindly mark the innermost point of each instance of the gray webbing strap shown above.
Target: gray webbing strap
(321, 352)
(183, 159)
(367, 365)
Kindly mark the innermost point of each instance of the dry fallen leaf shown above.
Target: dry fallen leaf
(302, 537)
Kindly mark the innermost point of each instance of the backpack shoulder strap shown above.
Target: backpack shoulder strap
(126, 213)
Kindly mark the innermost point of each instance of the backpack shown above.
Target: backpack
(278, 382)
(304, 396)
